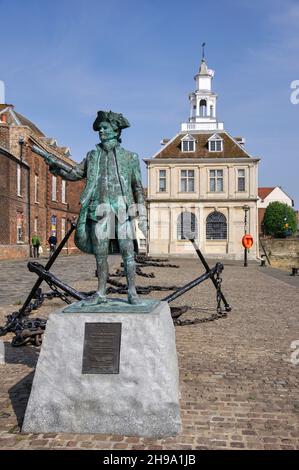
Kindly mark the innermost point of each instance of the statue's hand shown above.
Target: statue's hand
(142, 224)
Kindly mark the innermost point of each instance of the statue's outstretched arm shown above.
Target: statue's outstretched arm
(58, 167)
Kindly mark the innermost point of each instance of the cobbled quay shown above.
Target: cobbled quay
(239, 387)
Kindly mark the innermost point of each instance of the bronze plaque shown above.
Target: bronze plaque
(101, 348)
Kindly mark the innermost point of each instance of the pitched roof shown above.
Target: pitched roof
(36, 135)
(20, 119)
(231, 148)
(264, 192)
(25, 122)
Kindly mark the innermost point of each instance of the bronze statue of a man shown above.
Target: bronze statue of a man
(112, 198)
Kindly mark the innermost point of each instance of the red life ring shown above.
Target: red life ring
(247, 241)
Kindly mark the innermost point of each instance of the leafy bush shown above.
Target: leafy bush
(279, 220)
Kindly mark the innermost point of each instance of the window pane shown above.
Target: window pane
(212, 146)
(191, 185)
(185, 146)
(54, 188)
(183, 173)
(191, 173)
(212, 173)
(241, 184)
(18, 180)
(212, 184)
(191, 146)
(162, 185)
(63, 186)
(241, 172)
(63, 226)
(216, 226)
(219, 145)
(162, 180)
(53, 225)
(183, 185)
(36, 188)
(19, 226)
(219, 184)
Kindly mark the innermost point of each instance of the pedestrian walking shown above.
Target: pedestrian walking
(52, 242)
(36, 245)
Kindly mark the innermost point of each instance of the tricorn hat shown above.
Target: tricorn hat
(109, 116)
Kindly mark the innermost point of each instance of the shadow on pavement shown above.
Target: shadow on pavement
(20, 392)
(19, 396)
(26, 355)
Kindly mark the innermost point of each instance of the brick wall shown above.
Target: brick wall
(4, 136)
(35, 209)
(14, 251)
(13, 208)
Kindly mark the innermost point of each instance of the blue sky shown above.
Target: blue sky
(62, 60)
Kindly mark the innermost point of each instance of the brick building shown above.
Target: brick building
(31, 198)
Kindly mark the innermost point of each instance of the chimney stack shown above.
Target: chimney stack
(2, 92)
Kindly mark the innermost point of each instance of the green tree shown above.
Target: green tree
(279, 220)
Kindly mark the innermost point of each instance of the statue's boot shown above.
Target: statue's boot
(95, 299)
(130, 271)
(100, 296)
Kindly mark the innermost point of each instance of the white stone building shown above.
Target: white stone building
(200, 181)
(274, 194)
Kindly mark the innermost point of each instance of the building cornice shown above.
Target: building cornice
(203, 200)
(189, 161)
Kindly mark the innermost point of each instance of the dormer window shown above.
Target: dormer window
(188, 143)
(215, 143)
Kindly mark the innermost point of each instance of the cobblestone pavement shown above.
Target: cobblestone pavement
(239, 389)
(15, 273)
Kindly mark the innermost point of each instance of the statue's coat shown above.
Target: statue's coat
(130, 180)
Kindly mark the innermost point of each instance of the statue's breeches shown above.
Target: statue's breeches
(109, 235)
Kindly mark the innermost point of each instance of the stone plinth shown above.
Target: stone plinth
(142, 399)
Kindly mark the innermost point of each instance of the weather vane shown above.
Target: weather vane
(203, 50)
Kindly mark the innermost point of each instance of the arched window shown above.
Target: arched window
(53, 225)
(203, 108)
(186, 226)
(216, 226)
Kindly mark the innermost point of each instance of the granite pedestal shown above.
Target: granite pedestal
(140, 399)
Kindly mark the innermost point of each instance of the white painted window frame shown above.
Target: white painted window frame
(19, 180)
(216, 177)
(54, 188)
(63, 191)
(188, 139)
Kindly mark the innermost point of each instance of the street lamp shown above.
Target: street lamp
(245, 209)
